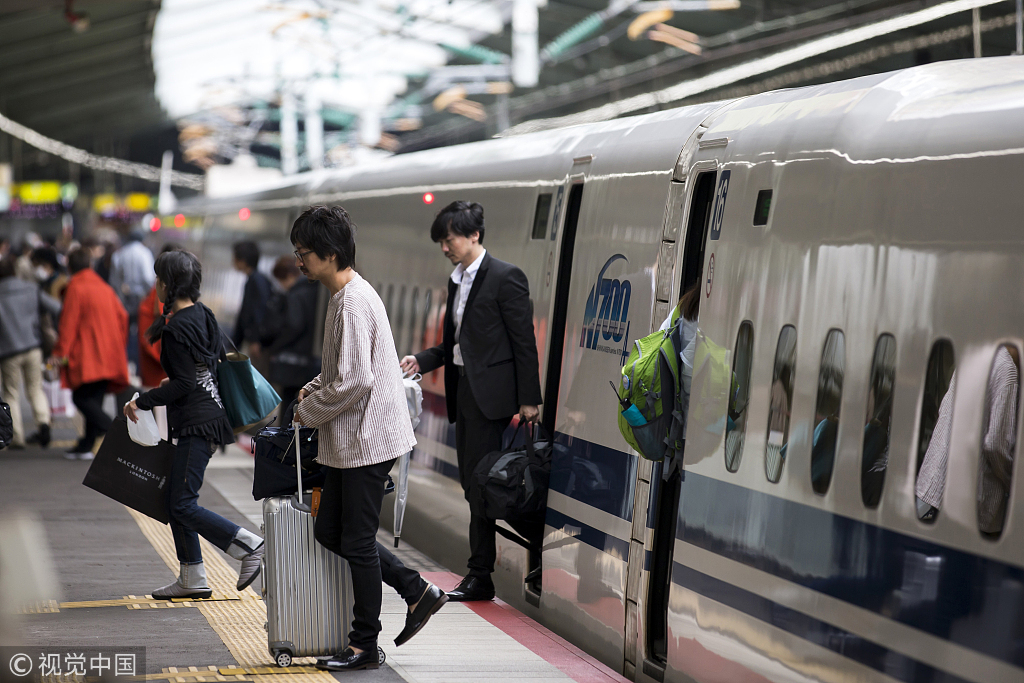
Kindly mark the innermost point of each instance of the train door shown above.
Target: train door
(664, 490)
(556, 330)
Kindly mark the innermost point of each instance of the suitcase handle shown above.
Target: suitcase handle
(298, 504)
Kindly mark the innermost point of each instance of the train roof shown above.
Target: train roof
(964, 107)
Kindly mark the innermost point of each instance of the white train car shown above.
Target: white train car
(854, 243)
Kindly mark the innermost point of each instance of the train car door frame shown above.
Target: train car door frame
(558, 314)
(663, 501)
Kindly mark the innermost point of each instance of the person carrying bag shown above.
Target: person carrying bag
(190, 348)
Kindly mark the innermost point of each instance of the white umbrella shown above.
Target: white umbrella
(414, 398)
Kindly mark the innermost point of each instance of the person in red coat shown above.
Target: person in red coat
(91, 345)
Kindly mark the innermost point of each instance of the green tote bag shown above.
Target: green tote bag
(247, 395)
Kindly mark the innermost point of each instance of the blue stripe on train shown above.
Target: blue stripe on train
(970, 600)
(910, 580)
(847, 644)
(616, 547)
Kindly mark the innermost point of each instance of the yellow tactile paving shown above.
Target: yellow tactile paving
(239, 623)
(193, 674)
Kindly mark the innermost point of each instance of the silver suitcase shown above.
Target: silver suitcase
(307, 588)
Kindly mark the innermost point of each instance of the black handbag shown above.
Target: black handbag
(6, 426)
(512, 484)
(132, 474)
(274, 466)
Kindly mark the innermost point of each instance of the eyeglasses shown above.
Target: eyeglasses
(301, 255)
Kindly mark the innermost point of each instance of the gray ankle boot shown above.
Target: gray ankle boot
(247, 547)
(191, 583)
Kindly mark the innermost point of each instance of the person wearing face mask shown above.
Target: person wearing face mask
(49, 273)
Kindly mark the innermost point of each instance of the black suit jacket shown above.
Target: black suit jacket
(497, 341)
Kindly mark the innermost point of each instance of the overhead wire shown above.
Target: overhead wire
(97, 162)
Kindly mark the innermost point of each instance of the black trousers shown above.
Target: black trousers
(347, 524)
(88, 398)
(475, 436)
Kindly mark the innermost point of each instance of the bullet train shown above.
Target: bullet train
(854, 244)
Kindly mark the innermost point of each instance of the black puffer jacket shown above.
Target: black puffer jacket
(191, 346)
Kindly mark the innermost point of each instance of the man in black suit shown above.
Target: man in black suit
(491, 368)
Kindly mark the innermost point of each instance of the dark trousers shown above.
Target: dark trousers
(189, 521)
(475, 436)
(347, 524)
(88, 398)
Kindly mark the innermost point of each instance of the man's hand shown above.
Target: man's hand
(410, 366)
(129, 411)
(302, 395)
(529, 414)
(165, 381)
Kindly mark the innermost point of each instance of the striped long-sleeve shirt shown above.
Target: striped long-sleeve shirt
(358, 400)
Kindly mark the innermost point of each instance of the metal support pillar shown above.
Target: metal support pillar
(289, 135)
(976, 26)
(314, 131)
(525, 46)
(1020, 27)
(501, 113)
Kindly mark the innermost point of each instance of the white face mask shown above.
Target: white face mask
(41, 273)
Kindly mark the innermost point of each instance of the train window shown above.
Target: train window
(998, 441)
(739, 396)
(540, 217)
(763, 207)
(936, 426)
(781, 404)
(389, 300)
(421, 343)
(410, 338)
(826, 411)
(398, 318)
(878, 424)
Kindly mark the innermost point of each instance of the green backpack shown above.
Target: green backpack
(651, 419)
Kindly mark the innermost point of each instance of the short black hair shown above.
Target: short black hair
(47, 255)
(7, 268)
(79, 260)
(248, 253)
(458, 218)
(327, 230)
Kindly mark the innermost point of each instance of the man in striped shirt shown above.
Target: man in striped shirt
(358, 404)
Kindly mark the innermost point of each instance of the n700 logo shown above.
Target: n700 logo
(607, 314)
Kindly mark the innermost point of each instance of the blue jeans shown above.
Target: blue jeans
(188, 520)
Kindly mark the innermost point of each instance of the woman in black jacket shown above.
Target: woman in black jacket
(191, 347)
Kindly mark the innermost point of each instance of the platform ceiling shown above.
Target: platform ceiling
(98, 88)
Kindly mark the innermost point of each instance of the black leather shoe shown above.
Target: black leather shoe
(350, 661)
(472, 588)
(433, 599)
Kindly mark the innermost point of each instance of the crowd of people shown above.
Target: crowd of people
(76, 316)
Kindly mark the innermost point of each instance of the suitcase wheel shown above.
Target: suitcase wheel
(380, 655)
(283, 658)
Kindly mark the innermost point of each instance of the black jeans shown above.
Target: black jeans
(189, 521)
(88, 398)
(347, 524)
(475, 436)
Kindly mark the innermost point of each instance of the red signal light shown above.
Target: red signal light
(243, 214)
(154, 224)
(428, 198)
(179, 220)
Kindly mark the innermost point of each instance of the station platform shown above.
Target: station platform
(109, 558)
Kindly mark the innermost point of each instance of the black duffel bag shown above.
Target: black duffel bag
(512, 484)
(274, 451)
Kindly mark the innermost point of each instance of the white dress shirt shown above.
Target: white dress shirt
(463, 277)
